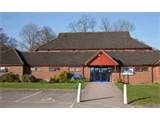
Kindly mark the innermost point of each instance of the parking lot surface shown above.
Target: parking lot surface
(36, 98)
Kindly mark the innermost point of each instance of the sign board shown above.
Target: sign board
(127, 70)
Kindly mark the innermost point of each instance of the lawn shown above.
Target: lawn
(143, 94)
(41, 85)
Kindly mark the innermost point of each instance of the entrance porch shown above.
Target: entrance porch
(101, 66)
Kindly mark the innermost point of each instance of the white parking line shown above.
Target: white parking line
(23, 98)
(71, 105)
(50, 99)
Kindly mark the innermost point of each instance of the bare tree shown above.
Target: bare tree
(12, 42)
(6, 40)
(123, 25)
(46, 35)
(72, 26)
(29, 34)
(105, 25)
(34, 36)
(3, 37)
(92, 24)
(84, 24)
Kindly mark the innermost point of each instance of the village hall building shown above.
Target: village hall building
(97, 56)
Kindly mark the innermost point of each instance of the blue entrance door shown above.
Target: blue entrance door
(100, 73)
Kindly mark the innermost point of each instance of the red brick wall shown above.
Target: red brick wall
(115, 75)
(137, 78)
(156, 74)
(16, 70)
(44, 72)
(87, 73)
(140, 77)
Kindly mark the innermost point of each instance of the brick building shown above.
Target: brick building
(97, 56)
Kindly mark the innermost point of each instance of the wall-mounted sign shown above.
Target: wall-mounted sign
(127, 70)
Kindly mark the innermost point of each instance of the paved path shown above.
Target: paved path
(101, 94)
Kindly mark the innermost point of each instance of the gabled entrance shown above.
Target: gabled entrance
(101, 66)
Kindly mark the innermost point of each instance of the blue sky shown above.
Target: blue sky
(147, 24)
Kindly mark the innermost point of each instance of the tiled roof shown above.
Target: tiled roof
(9, 56)
(57, 58)
(136, 57)
(80, 58)
(94, 40)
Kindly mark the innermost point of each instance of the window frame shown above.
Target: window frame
(53, 69)
(141, 69)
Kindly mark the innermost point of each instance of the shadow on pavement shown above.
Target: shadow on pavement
(96, 99)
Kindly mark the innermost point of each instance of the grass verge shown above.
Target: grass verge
(41, 85)
(142, 94)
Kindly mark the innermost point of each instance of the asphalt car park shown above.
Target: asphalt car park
(37, 98)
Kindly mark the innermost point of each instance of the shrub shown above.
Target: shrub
(10, 77)
(30, 78)
(157, 83)
(42, 80)
(54, 80)
(63, 76)
(118, 80)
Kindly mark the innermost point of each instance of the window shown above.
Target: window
(3, 69)
(144, 69)
(51, 69)
(35, 69)
(137, 69)
(141, 69)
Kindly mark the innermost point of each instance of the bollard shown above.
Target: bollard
(79, 93)
(125, 93)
